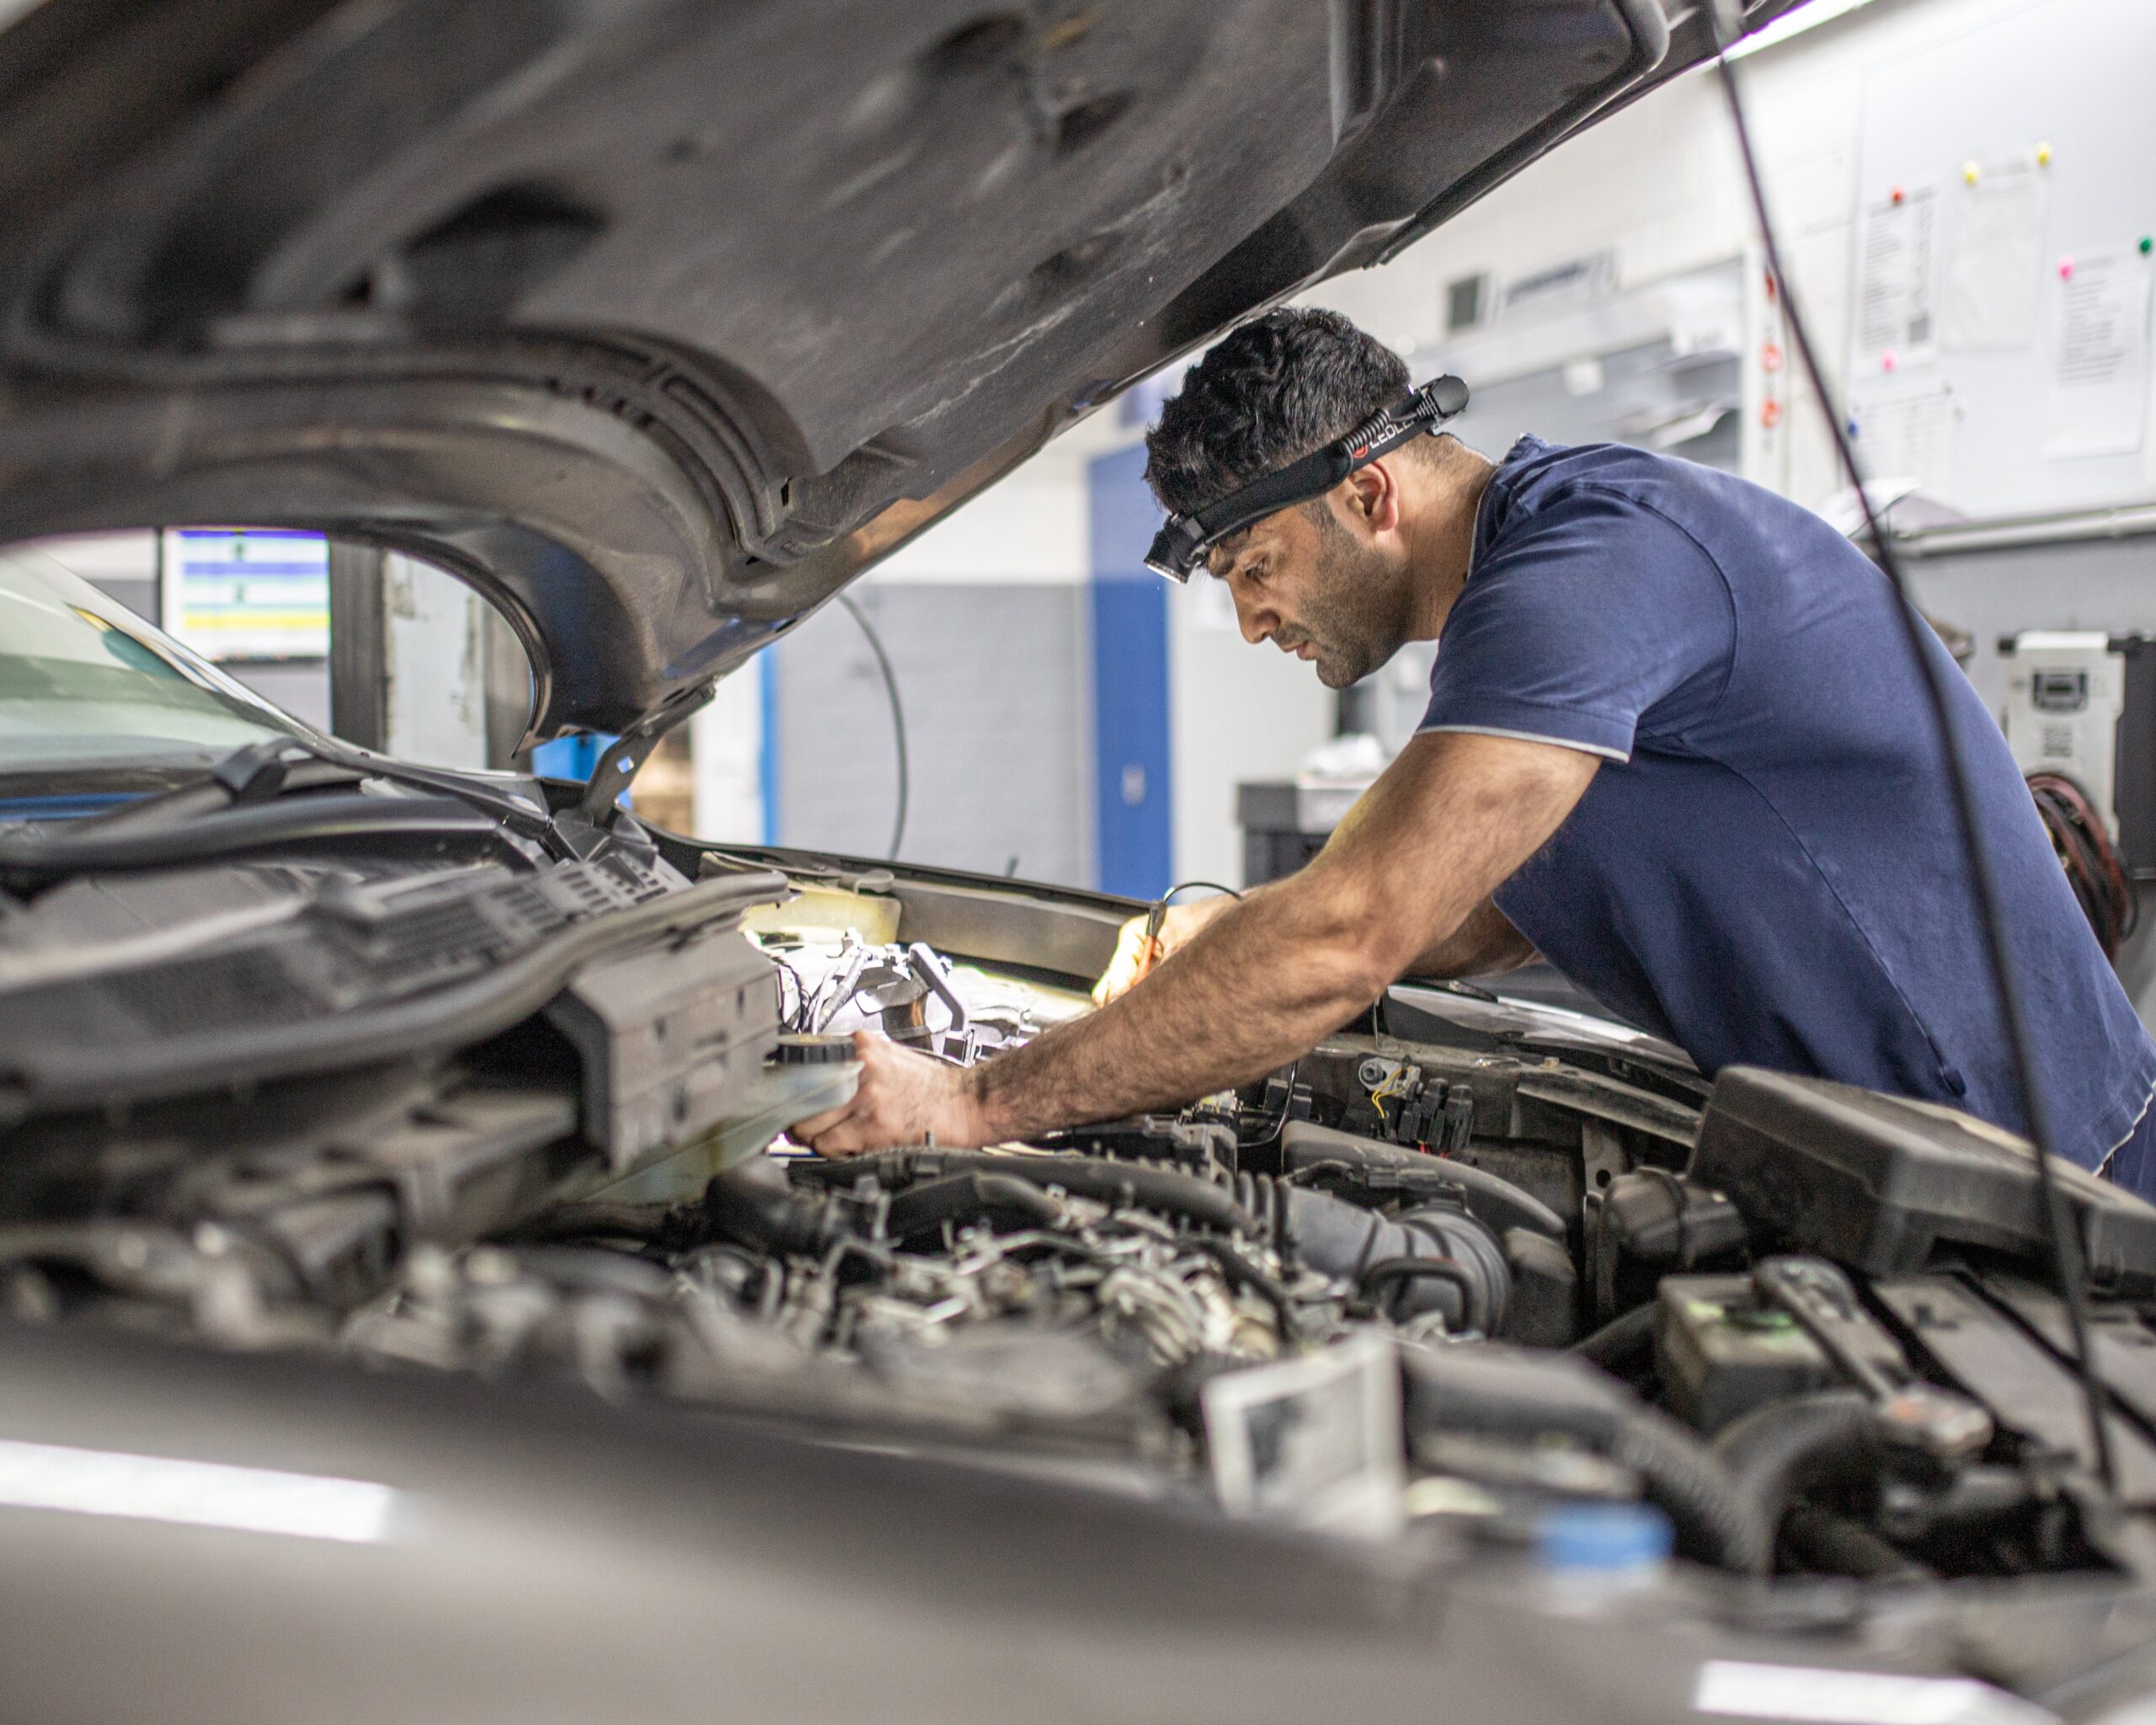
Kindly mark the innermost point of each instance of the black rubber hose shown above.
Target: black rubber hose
(1474, 1295)
(1620, 1346)
(1342, 1240)
(1497, 1200)
(1141, 1185)
(752, 1204)
(1715, 1521)
(967, 1198)
(1778, 1452)
(653, 1223)
(1829, 1544)
(1243, 1273)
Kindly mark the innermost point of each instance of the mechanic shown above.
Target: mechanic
(1674, 745)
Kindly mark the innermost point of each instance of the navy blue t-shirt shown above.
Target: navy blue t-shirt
(1768, 866)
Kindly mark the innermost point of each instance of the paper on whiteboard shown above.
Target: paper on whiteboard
(1994, 268)
(2098, 399)
(1908, 434)
(1899, 266)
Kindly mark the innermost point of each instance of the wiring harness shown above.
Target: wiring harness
(2093, 868)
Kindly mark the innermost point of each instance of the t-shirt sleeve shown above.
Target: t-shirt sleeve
(1592, 614)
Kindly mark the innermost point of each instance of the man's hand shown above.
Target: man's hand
(905, 1098)
(1177, 926)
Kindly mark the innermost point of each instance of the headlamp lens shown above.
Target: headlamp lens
(1167, 555)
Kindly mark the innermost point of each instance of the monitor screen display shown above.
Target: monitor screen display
(242, 593)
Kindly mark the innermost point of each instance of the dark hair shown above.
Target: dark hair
(1278, 388)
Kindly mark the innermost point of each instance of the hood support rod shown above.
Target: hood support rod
(619, 765)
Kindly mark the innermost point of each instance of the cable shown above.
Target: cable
(1158, 912)
(1280, 1121)
(897, 714)
(1728, 25)
(1185, 886)
(795, 1020)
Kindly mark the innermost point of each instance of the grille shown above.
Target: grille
(219, 991)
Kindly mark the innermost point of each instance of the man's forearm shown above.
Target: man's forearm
(1268, 978)
(1260, 985)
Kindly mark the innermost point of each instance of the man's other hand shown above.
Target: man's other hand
(1177, 926)
(905, 1098)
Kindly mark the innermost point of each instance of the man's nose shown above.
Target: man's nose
(1257, 621)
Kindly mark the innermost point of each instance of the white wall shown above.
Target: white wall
(726, 741)
(120, 558)
(1028, 528)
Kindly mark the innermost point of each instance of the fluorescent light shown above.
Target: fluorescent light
(1826, 1696)
(1795, 24)
(194, 1493)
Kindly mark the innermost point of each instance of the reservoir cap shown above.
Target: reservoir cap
(795, 1049)
(1603, 1539)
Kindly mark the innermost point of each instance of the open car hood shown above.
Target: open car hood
(658, 322)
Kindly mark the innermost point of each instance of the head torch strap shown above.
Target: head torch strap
(1184, 540)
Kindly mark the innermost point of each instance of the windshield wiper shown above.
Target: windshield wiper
(263, 772)
(248, 801)
(30, 853)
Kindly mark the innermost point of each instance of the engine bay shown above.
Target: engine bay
(1427, 1277)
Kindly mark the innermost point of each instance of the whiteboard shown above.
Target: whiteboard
(2006, 180)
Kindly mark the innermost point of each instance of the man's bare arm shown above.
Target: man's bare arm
(1484, 945)
(1270, 977)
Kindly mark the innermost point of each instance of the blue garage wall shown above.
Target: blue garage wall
(1133, 796)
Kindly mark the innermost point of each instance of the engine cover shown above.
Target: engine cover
(1881, 1183)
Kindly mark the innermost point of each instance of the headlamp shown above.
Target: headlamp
(1182, 541)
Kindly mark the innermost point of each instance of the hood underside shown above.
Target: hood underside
(659, 322)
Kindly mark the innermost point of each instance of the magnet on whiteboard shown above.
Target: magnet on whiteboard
(1771, 412)
(1971, 174)
(2066, 269)
(1888, 359)
(2044, 154)
(1895, 196)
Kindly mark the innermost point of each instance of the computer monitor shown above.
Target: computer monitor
(237, 594)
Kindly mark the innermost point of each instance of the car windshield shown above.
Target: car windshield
(86, 686)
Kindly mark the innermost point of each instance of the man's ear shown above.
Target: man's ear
(1373, 496)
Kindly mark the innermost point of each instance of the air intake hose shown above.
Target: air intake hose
(1435, 1258)
(751, 1205)
(1516, 1397)
(967, 1198)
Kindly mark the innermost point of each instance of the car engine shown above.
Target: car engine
(1402, 1282)
(1431, 1279)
